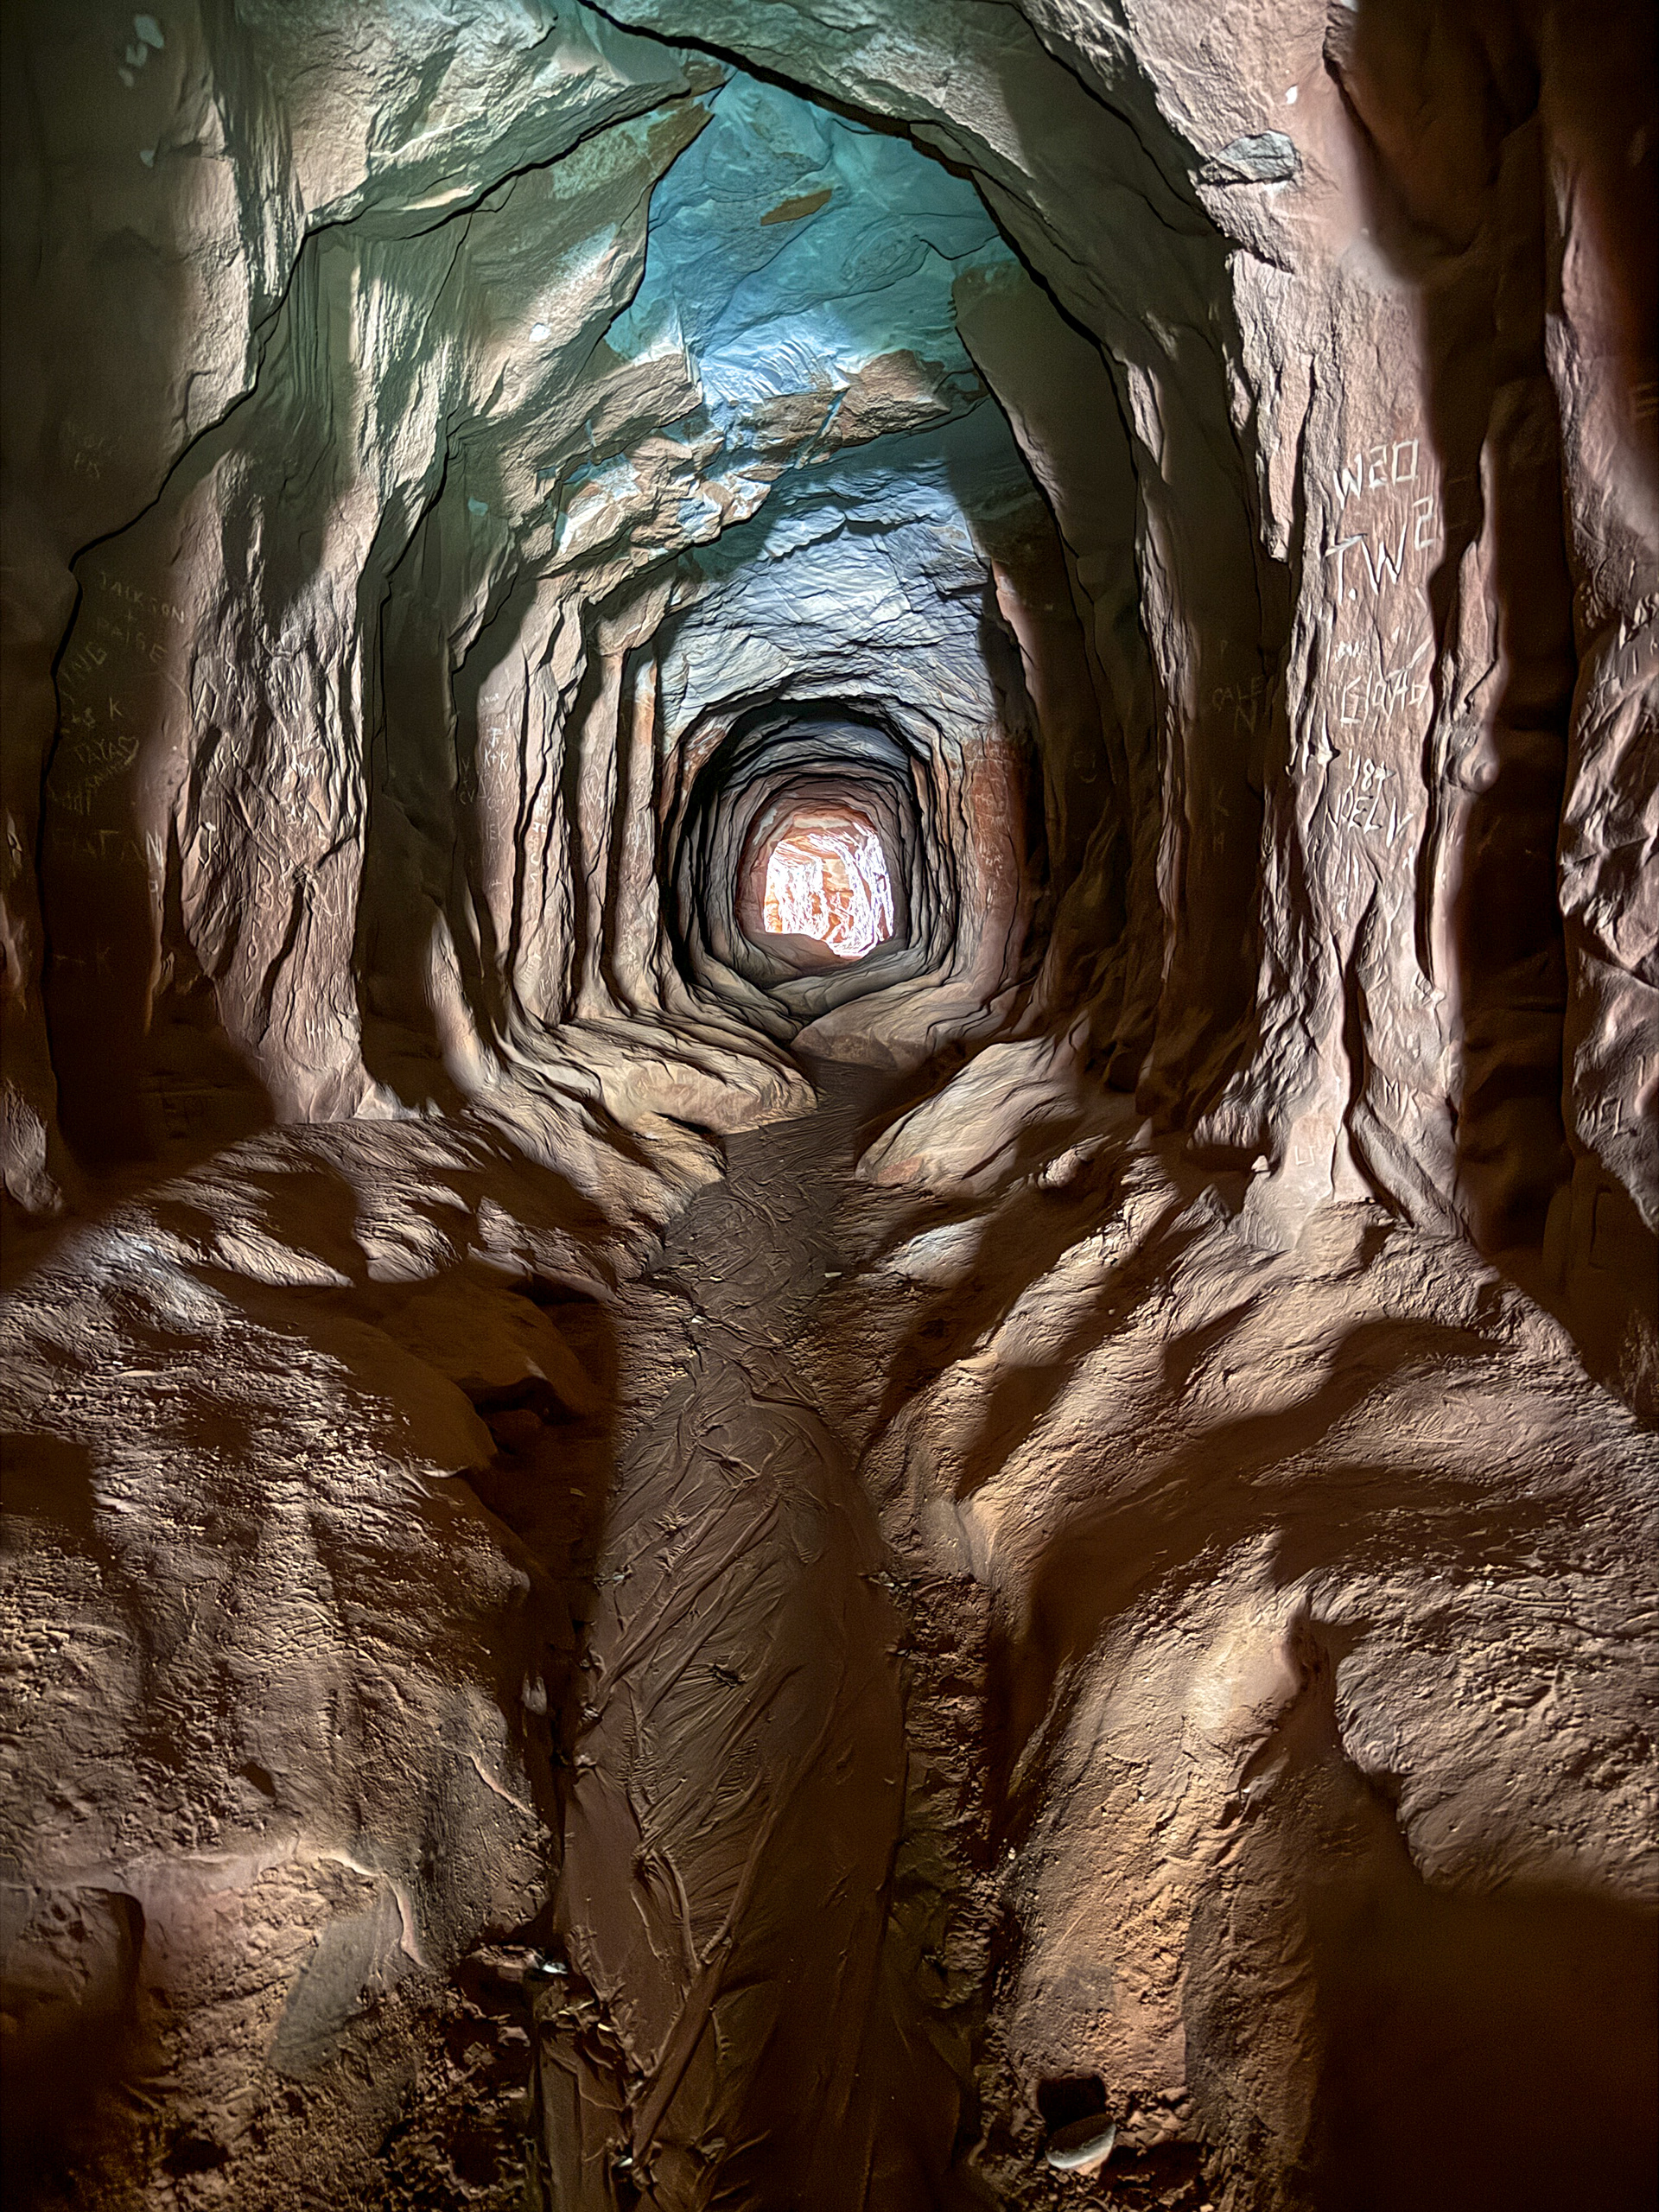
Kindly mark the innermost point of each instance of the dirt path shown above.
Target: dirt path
(739, 1791)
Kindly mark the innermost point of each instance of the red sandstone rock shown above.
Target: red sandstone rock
(654, 1558)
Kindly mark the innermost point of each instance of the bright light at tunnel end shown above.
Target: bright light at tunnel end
(829, 883)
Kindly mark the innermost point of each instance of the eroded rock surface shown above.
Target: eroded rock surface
(660, 1557)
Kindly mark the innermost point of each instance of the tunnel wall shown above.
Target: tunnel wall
(1123, 1366)
(326, 605)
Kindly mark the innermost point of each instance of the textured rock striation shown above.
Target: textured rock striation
(831, 1105)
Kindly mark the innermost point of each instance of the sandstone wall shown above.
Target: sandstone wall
(1190, 480)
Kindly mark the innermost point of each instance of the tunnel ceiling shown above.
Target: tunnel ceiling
(664, 1566)
(565, 380)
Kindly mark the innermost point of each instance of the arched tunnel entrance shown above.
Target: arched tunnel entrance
(827, 879)
(830, 1314)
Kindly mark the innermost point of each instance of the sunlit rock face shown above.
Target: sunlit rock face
(829, 882)
(831, 1330)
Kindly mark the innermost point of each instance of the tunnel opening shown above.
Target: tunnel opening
(827, 879)
(877, 780)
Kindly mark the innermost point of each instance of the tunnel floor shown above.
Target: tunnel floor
(803, 1656)
(777, 1749)
(798, 1809)
(741, 1606)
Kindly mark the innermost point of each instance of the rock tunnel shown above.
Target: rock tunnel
(831, 1105)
